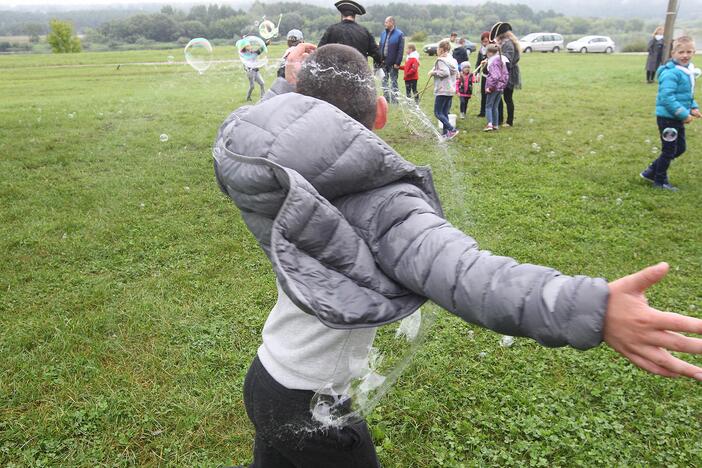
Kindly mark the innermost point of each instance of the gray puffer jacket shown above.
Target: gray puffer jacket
(356, 234)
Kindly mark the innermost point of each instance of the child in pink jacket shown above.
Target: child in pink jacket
(497, 79)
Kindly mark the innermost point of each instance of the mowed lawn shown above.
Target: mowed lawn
(132, 296)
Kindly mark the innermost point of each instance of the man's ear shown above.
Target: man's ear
(381, 113)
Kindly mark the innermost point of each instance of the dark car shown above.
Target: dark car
(430, 49)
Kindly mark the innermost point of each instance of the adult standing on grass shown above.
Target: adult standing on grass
(350, 33)
(392, 44)
(509, 47)
(655, 54)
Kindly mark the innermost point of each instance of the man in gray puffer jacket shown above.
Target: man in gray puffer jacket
(357, 239)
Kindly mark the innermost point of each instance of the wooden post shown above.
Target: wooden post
(670, 15)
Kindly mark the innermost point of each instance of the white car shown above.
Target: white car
(592, 44)
(541, 42)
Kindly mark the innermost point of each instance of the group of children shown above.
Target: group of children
(457, 79)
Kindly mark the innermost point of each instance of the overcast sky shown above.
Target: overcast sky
(689, 9)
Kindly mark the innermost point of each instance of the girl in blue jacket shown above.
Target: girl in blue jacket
(675, 107)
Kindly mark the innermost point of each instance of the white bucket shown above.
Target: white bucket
(452, 121)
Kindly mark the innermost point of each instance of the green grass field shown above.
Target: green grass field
(132, 296)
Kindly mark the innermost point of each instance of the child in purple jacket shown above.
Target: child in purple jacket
(497, 79)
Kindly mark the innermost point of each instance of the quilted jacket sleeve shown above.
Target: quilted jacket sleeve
(418, 248)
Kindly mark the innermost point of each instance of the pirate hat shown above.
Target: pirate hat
(350, 5)
(498, 29)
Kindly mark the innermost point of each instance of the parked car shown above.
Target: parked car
(430, 49)
(541, 42)
(592, 44)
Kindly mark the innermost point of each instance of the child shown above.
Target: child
(675, 107)
(464, 87)
(411, 70)
(356, 238)
(495, 84)
(482, 55)
(294, 38)
(444, 72)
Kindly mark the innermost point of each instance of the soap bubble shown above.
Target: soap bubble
(198, 54)
(170, 59)
(252, 51)
(669, 134)
(569, 132)
(697, 72)
(163, 138)
(471, 334)
(506, 341)
(267, 29)
(600, 137)
(364, 376)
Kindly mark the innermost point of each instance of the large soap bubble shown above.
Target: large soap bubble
(669, 134)
(267, 29)
(198, 54)
(252, 51)
(373, 371)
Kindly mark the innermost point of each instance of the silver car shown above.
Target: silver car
(541, 42)
(592, 44)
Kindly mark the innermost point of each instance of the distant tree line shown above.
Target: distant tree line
(215, 21)
(223, 22)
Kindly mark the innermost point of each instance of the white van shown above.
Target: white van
(541, 42)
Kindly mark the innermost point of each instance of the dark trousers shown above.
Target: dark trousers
(507, 96)
(288, 437)
(650, 75)
(411, 89)
(669, 149)
(442, 107)
(392, 91)
(483, 98)
(464, 104)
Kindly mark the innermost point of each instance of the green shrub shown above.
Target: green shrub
(419, 36)
(638, 46)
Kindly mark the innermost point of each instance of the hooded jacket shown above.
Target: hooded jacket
(411, 66)
(498, 76)
(356, 235)
(675, 96)
(445, 74)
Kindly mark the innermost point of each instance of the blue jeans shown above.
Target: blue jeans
(442, 107)
(391, 73)
(669, 149)
(492, 108)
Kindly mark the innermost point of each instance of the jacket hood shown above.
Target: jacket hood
(450, 62)
(283, 162)
(414, 55)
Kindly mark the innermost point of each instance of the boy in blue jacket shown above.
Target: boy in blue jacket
(675, 107)
(357, 239)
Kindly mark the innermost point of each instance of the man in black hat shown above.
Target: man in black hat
(350, 33)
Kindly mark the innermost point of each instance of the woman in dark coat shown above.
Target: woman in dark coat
(655, 54)
(509, 46)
